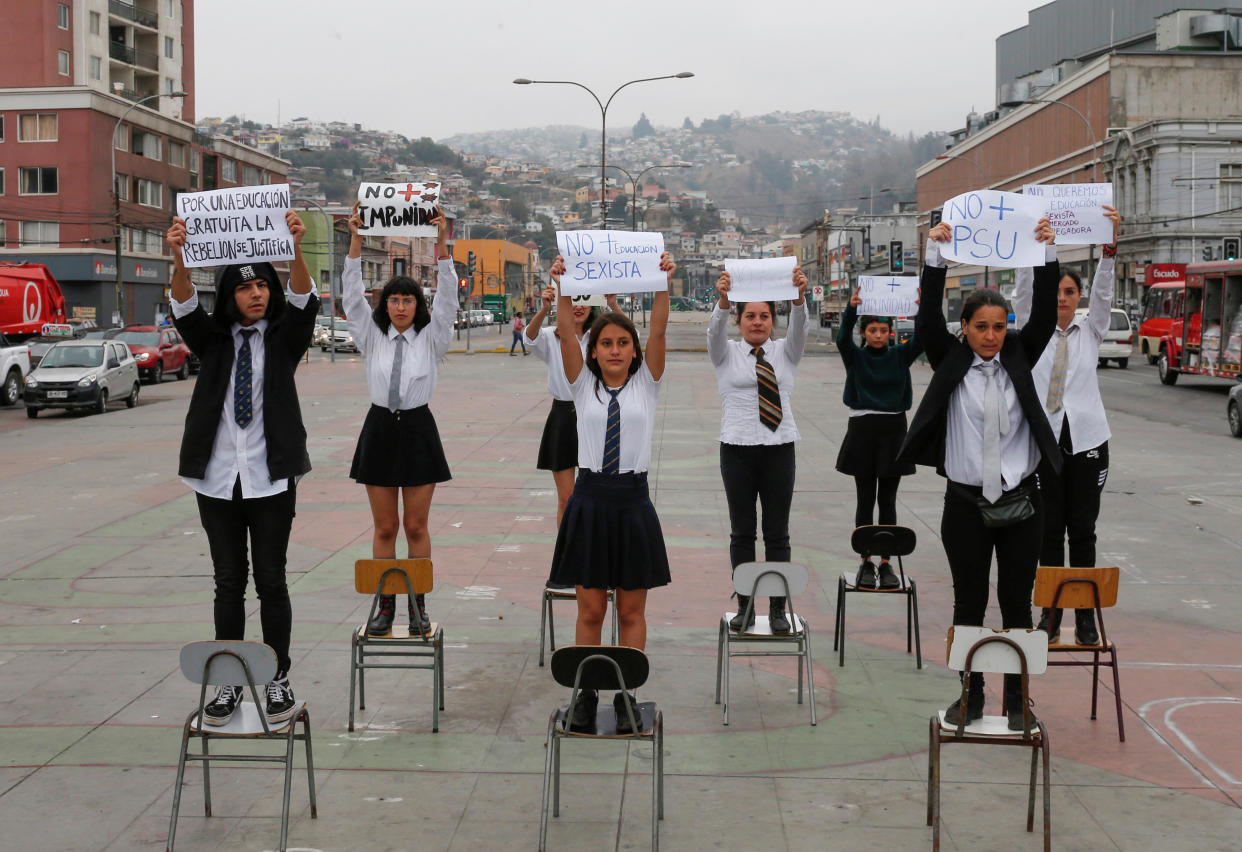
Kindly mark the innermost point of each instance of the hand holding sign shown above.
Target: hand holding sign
(887, 295)
(766, 279)
(398, 209)
(610, 262)
(993, 228)
(1076, 210)
(225, 226)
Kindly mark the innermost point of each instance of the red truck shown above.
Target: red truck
(29, 297)
(1205, 333)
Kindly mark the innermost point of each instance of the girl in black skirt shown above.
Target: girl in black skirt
(399, 450)
(609, 536)
(878, 394)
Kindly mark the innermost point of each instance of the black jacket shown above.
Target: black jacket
(285, 342)
(951, 358)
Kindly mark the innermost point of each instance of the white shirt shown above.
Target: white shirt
(738, 386)
(237, 453)
(638, 406)
(963, 451)
(424, 349)
(547, 346)
(1080, 400)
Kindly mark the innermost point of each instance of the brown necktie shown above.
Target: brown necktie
(769, 392)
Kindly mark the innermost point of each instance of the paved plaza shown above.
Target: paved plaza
(104, 575)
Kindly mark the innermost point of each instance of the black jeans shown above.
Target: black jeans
(758, 472)
(1071, 505)
(267, 521)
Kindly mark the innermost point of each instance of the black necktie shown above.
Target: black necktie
(612, 434)
(769, 392)
(242, 377)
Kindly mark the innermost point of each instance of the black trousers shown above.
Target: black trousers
(266, 521)
(1071, 505)
(766, 474)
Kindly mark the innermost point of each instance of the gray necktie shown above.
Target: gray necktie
(995, 424)
(394, 382)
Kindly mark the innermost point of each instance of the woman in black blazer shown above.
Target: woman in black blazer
(981, 424)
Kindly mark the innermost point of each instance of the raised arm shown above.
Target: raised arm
(353, 296)
(795, 334)
(536, 322)
(188, 315)
(571, 354)
(299, 275)
(658, 328)
(929, 322)
(1043, 321)
(444, 308)
(845, 334)
(1100, 301)
(718, 324)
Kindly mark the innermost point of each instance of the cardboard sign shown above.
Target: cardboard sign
(611, 262)
(398, 209)
(227, 226)
(993, 228)
(767, 279)
(888, 295)
(1076, 210)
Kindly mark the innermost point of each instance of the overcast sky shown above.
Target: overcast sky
(438, 68)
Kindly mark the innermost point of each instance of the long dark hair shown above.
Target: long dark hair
(983, 299)
(591, 317)
(402, 285)
(231, 277)
(1075, 277)
(867, 320)
(597, 328)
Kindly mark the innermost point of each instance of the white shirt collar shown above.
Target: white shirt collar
(409, 334)
(260, 326)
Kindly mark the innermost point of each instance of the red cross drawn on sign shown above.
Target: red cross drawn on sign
(409, 191)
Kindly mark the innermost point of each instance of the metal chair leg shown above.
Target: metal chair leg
(353, 675)
(284, 809)
(310, 764)
(206, 778)
(931, 735)
(728, 664)
(841, 593)
(1030, 796)
(801, 657)
(909, 606)
(556, 776)
(918, 645)
(544, 608)
(810, 673)
(1095, 681)
(720, 644)
(1047, 749)
(440, 668)
(655, 794)
(1121, 725)
(659, 726)
(362, 674)
(176, 802)
(551, 625)
(836, 618)
(547, 784)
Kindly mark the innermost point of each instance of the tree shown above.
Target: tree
(643, 127)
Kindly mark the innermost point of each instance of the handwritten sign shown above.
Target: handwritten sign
(993, 228)
(1075, 210)
(888, 295)
(766, 279)
(226, 226)
(398, 209)
(611, 262)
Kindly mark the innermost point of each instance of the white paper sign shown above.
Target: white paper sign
(611, 262)
(993, 228)
(398, 209)
(768, 279)
(591, 300)
(227, 226)
(1075, 210)
(888, 295)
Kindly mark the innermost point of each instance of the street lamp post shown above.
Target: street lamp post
(984, 179)
(634, 183)
(116, 199)
(603, 123)
(331, 276)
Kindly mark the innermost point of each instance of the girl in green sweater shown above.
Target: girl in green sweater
(878, 394)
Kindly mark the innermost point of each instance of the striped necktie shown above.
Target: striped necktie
(769, 392)
(1060, 365)
(612, 434)
(242, 378)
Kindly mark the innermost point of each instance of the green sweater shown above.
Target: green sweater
(876, 379)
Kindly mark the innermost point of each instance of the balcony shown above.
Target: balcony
(121, 52)
(148, 59)
(143, 17)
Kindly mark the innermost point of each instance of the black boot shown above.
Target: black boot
(419, 625)
(1084, 627)
(381, 625)
(777, 620)
(974, 703)
(735, 623)
(1013, 703)
(1050, 623)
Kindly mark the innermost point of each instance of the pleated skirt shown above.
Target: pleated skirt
(558, 450)
(398, 450)
(871, 444)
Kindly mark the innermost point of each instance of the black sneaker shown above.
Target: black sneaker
(888, 577)
(974, 708)
(866, 576)
(221, 708)
(381, 625)
(583, 718)
(623, 720)
(415, 621)
(279, 699)
(1084, 627)
(1050, 624)
(735, 623)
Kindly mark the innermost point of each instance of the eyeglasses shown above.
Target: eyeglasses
(402, 301)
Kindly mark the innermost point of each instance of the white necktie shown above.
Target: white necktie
(394, 381)
(995, 424)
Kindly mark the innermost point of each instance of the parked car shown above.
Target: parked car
(901, 332)
(14, 365)
(82, 374)
(1234, 410)
(38, 347)
(101, 333)
(319, 335)
(157, 351)
(1118, 342)
(81, 326)
(344, 341)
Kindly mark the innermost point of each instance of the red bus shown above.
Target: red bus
(1205, 331)
(1167, 285)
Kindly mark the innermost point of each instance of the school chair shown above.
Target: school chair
(216, 663)
(1083, 588)
(547, 626)
(984, 650)
(766, 579)
(878, 539)
(602, 667)
(411, 577)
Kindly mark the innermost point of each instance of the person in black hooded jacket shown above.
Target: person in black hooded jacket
(244, 446)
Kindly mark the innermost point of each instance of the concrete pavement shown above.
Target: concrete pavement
(105, 575)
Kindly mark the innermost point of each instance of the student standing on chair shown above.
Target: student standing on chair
(399, 453)
(610, 536)
(1066, 382)
(981, 424)
(244, 446)
(878, 394)
(755, 377)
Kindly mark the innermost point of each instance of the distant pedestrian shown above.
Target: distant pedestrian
(518, 324)
(878, 394)
(399, 452)
(755, 378)
(244, 446)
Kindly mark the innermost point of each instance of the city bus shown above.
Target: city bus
(1161, 301)
(1205, 330)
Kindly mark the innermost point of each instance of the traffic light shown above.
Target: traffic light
(470, 264)
(1229, 248)
(1207, 252)
(896, 259)
(935, 216)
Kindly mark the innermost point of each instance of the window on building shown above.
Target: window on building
(1, 127)
(168, 46)
(36, 127)
(96, 68)
(228, 170)
(148, 145)
(169, 86)
(122, 187)
(176, 154)
(37, 180)
(1230, 185)
(250, 176)
(170, 8)
(148, 193)
(40, 234)
(3, 233)
(1, 181)
(62, 16)
(94, 23)
(195, 160)
(62, 62)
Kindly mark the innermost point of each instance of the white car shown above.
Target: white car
(340, 340)
(83, 374)
(1118, 343)
(14, 365)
